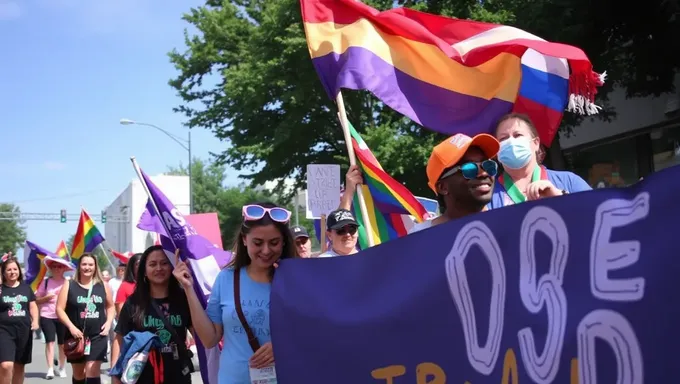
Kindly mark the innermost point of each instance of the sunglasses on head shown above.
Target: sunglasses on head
(257, 212)
(470, 170)
(350, 229)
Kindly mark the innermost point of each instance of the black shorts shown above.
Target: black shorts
(53, 329)
(98, 350)
(16, 344)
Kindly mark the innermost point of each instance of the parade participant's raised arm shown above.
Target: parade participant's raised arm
(238, 308)
(352, 179)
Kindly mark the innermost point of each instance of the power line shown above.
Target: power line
(56, 197)
(23, 216)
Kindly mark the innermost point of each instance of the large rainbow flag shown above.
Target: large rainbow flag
(35, 267)
(448, 75)
(387, 200)
(87, 237)
(62, 251)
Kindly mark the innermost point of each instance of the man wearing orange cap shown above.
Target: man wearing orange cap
(461, 173)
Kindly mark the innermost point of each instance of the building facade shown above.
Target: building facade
(644, 137)
(124, 237)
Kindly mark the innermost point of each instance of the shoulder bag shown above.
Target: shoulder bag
(252, 340)
(182, 351)
(74, 348)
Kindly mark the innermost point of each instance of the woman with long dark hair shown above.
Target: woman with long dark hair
(241, 291)
(85, 307)
(158, 300)
(18, 317)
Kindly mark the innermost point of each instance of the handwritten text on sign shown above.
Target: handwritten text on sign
(323, 189)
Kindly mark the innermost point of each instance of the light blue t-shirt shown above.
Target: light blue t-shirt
(562, 180)
(221, 311)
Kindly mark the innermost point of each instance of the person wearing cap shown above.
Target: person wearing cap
(343, 231)
(460, 172)
(46, 298)
(302, 242)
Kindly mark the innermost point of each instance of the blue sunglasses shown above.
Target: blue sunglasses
(471, 170)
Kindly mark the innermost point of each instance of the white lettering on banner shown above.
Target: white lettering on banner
(546, 292)
(323, 189)
(482, 358)
(606, 256)
(616, 331)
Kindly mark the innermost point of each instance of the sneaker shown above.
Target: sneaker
(62, 372)
(50, 374)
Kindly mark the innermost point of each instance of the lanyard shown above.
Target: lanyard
(540, 173)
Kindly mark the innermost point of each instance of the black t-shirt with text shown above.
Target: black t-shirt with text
(87, 314)
(14, 306)
(176, 311)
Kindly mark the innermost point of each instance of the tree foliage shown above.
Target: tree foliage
(247, 76)
(211, 194)
(12, 232)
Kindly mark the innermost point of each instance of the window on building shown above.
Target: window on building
(666, 147)
(611, 164)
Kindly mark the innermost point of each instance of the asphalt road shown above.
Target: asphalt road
(35, 372)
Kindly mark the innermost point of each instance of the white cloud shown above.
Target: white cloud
(9, 10)
(54, 165)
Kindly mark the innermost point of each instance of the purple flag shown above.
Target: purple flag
(205, 259)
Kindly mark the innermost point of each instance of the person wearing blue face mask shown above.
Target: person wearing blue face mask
(523, 177)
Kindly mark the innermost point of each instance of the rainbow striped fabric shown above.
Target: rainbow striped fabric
(87, 237)
(448, 75)
(35, 267)
(387, 200)
(62, 251)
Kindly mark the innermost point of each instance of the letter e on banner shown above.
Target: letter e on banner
(546, 292)
(606, 256)
(481, 358)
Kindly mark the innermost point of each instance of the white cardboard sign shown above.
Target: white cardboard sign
(323, 189)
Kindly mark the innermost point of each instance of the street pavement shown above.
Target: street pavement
(35, 372)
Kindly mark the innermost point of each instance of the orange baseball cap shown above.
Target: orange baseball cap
(449, 152)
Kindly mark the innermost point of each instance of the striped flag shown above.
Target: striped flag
(35, 267)
(87, 237)
(62, 251)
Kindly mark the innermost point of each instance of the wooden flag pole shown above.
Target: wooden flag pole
(344, 122)
(324, 242)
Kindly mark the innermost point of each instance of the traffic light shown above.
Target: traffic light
(103, 217)
(63, 216)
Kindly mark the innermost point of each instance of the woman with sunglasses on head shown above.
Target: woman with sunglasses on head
(157, 294)
(523, 177)
(262, 240)
(47, 301)
(18, 317)
(343, 231)
(85, 307)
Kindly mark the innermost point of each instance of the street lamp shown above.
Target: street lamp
(184, 143)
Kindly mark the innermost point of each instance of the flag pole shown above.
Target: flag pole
(107, 254)
(344, 122)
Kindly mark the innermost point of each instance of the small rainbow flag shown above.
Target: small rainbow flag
(35, 268)
(87, 237)
(387, 200)
(62, 251)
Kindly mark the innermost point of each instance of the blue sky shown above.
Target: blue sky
(70, 70)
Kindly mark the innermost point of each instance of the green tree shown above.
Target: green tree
(12, 231)
(211, 194)
(269, 105)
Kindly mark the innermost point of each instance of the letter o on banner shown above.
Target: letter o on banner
(481, 358)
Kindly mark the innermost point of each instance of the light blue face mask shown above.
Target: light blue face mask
(515, 152)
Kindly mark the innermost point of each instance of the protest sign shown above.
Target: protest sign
(323, 189)
(575, 289)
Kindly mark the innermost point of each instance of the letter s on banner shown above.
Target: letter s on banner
(482, 358)
(606, 256)
(546, 292)
(613, 328)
